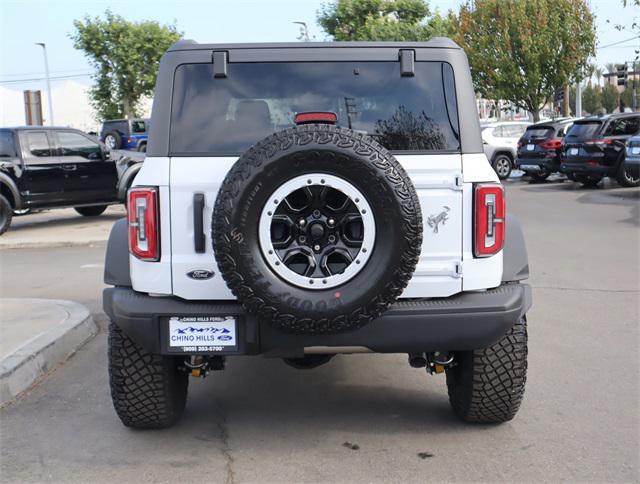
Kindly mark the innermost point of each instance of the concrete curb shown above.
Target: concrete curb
(39, 355)
(51, 244)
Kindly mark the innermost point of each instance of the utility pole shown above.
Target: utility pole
(578, 112)
(46, 73)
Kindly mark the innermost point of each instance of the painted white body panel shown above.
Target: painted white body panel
(446, 264)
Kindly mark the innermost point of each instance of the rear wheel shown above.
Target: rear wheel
(92, 211)
(588, 182)
(625, 178)
(503, 165)
(541, 175)
(148, 391)
(6, 214)
(487, 386)
(112, 141)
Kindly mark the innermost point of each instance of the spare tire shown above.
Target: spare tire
(317, 229)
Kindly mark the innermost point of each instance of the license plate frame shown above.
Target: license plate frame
(200, 334)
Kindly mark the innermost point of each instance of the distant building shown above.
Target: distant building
(71, 106)
(612, 78)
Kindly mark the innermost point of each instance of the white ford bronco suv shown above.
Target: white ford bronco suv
(305, 200)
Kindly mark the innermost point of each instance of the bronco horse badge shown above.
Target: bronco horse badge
(434, 220)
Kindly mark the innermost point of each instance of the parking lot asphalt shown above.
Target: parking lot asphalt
(366, 417)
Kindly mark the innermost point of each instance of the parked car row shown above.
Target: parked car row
(59, 167)
(585, 150)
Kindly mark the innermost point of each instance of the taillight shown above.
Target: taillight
(144, 225)
(600, 142)
(552, 144)
(520, 144)
(489, 219)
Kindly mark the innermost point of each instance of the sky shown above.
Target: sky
(22, 23)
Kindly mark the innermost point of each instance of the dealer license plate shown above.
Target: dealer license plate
(202, 334)
(529, 167)
(573, 151)
(531, 147)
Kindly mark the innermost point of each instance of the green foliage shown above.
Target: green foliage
(591, 100)
(383, 20)
(125, 56)
(524, 50)
(610, 97)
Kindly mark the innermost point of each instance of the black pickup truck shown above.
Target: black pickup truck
(50, 167)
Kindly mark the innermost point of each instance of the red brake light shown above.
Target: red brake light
(552, 144)
(489, 219)
(144, 224)
(520, 144)
(316, 117)
(599, 142)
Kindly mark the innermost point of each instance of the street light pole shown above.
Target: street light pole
(46, 72)
(304, 31)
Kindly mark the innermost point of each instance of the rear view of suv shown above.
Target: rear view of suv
(305, 200)
(125, 134)
(539, 149)
(594, 148)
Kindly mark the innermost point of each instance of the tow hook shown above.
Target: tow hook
(438, 361)
(199, 366)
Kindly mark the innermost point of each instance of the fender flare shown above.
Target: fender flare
(116, 263)
(515, 262)
(127, 179)
(13, 188)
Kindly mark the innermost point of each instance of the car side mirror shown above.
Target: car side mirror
(106, 154)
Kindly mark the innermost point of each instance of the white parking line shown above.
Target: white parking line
(92, 266)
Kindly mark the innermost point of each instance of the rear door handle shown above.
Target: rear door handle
(198, 223)
(68, 167)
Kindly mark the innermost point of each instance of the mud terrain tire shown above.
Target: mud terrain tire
(338, 152)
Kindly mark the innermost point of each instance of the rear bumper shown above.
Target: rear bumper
(463, 322)
(535, 165)
(587, 169)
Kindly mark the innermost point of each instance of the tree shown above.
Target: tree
(125, 56)
(610, 98)
(592, 99)
(383, 20)
(525, 50)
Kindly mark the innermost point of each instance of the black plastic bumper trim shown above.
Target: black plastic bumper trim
(465, 321)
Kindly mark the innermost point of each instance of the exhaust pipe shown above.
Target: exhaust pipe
(417, 360)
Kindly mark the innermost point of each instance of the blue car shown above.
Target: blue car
(632, 157)
(125, 134)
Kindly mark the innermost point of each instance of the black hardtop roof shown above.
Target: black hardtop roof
(434, 43)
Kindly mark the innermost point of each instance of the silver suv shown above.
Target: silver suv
(500, 141)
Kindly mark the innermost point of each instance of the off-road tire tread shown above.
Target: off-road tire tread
(488, 385)
(327, 135)
(147, 390)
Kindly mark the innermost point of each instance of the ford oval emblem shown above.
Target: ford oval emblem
(200, 274)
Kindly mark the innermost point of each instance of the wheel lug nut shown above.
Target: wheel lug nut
(316, 214)
(302, 222)
(331, 222)
(316, 247)
(332, 238)
(302, 239)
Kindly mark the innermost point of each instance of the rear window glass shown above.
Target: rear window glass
(584, 130)
(226, 116)
(541, 132)
(138, 127)
(7, 145)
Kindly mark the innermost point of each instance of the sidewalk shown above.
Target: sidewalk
(35, 336)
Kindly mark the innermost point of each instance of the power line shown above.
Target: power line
(53, 78)
(619, 42)
(66, 71)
